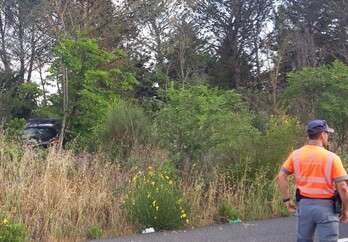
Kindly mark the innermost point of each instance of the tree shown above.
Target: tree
(315, 30)
(153, 18)
(23, 49)
(235, 27)
(155, 49)
(195, 121)
(275, 79)
(22, 41)
(336, 46)
(93, 85)
(184, 52)
(320, 93)
(71, 19)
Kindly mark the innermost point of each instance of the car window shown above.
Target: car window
(40, 133)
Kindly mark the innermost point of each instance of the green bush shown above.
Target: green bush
(155, 200)
(266, 151)
(11, 231)
(14, 129)
(199, 121)
(124, 128)
(225, 212)
(94, 232)
(283, 134)
(320, 92)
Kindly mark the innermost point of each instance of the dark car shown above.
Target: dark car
(41, 132)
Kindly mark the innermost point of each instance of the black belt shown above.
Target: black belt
(328, 198)
(299, 197)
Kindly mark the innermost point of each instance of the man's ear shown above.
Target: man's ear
(322, 135)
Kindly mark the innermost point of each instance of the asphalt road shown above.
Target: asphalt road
(274, 230)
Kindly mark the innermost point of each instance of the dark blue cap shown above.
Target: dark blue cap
(317, 126)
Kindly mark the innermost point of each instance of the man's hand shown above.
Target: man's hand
(342, 188)
(291, 206)
(283, 186)
(344, 216)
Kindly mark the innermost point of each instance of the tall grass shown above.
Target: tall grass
(59, 196)
(251, 199)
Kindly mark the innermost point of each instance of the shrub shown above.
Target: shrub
(125, 127)
(268, 150)
(94, 232)
(155, 199)
(225, 212)
(320, 92)
(14, 129)
(283, 134)
(11, 231)
(199, 121)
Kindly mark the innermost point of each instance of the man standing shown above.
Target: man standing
(318, 172)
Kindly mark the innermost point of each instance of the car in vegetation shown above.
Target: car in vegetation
(41, 132)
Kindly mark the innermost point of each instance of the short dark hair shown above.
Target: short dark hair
(314, 136)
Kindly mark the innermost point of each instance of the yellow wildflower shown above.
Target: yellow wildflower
(170, 182)
(5, 221)
(183, 215)
(187, 221)
(153, 183)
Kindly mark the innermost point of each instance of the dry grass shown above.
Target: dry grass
(258, 199)
(60, 197)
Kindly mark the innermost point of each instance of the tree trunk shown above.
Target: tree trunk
(65, 103)
(3, 52)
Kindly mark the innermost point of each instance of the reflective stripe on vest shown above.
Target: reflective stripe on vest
(325, 180)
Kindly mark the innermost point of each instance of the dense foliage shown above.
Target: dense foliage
(220, 90)
(323, 92)
(197, 120)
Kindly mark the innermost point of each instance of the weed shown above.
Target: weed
(94, 232)
(11, 231)
(155, 200)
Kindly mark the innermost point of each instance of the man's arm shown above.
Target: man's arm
(342, 188)
(283, 187)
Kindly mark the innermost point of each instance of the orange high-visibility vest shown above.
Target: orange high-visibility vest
(315, 169)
